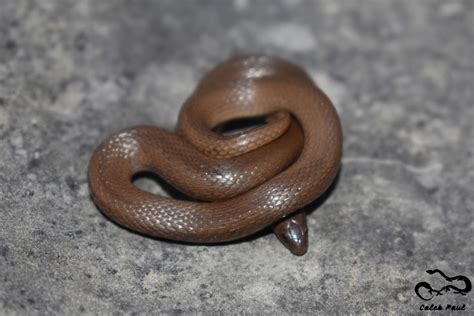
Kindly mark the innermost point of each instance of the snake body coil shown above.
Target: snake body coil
(242, 182)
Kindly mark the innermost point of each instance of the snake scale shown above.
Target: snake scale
(240, 182)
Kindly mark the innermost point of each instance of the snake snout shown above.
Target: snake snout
(298, 243)
(294, 234)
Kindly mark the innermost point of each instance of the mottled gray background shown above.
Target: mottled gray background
(399, 72)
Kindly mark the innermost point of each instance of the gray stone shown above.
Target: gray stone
(400, 73)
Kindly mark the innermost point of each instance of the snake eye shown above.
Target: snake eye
(284, 239)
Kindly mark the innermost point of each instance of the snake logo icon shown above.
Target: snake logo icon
(428, 293)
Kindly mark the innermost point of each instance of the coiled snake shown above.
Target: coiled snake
(242, 182)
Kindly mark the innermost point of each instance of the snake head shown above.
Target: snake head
(293, 233)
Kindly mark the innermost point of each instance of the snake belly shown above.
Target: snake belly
(241, 183)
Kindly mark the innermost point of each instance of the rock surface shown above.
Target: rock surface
(399, 72)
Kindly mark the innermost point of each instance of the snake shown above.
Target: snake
(239, 182)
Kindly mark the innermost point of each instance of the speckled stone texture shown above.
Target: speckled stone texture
(400, 73)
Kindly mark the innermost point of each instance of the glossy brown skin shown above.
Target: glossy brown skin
(249, 180)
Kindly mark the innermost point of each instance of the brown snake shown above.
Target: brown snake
(242, 182)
